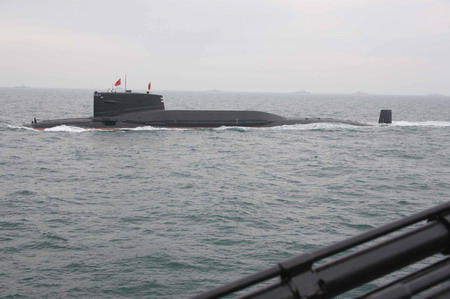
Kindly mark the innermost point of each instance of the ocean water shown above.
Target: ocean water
(170, 213)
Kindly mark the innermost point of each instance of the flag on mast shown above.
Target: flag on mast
(118, 82)
(149, 86)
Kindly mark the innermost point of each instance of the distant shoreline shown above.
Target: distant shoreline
(300, 92)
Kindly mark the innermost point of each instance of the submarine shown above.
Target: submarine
(127, 110)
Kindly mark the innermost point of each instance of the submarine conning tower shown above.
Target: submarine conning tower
(112, 103)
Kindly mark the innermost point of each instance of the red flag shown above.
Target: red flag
(117, 83)
(149, 85)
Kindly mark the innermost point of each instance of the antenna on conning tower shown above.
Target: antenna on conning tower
(126, 90)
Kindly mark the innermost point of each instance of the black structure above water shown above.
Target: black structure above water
(415, 238)
(114, 104)
(385, 117)
(129, 110)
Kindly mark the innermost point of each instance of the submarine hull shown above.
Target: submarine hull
(86, 123)
(131, 110)
(170, 119)
(189, 119)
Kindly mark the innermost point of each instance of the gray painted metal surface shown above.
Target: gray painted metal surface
(131, 110)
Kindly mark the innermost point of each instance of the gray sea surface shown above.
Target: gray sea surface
(170, 213)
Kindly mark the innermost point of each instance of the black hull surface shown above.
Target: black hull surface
(131, 110)
(93, 123)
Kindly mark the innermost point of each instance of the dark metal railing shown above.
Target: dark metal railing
(299, 278)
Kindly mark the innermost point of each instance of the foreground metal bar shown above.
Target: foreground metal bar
(300, 279)
(415, 283)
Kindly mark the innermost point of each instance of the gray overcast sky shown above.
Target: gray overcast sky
(323, 46)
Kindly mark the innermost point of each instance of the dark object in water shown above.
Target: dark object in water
(385, 117)
(130, 110)
(299, 278)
